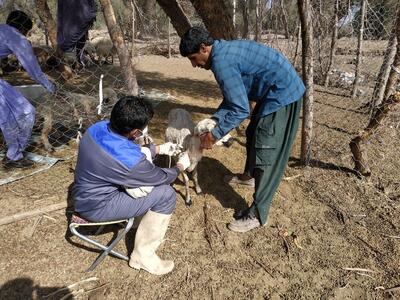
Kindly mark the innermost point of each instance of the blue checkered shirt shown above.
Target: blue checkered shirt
(246, 70)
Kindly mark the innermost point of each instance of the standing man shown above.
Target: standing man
(74, 19)
(246, 70)
(17, 115)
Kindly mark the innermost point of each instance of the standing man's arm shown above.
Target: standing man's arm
(235, 106)
(22, 49)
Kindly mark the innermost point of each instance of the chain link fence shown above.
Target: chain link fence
(340, 57)
(61, 118)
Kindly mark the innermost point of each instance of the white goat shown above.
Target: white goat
(180, 130)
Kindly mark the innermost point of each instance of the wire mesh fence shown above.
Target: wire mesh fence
(354, 43)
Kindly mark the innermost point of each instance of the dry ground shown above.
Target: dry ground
(323, 219)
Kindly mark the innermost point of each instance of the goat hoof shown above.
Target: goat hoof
(49, 148)
(189, 202)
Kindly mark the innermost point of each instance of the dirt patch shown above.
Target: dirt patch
(323, 218)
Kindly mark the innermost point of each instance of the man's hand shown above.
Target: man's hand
(205, 125)
(183, 161)
(169, 149)
(207, 140)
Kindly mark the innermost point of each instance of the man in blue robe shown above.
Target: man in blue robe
(17, 115)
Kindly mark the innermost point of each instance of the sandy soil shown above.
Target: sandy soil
(323, 219)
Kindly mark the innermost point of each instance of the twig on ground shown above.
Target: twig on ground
(71, 286)
(393, 289)
(97, 287)
(343, 287)
(50, 218)
(292, 177)
(28, 214)
(207, 225)
(393, 236)
(261, 264)
(359, 270)
(35, 225)
(212, 292)
(188, 274)
(282, 232)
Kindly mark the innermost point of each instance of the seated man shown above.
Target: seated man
(109, 162)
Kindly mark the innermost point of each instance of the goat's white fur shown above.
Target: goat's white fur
(180, 131)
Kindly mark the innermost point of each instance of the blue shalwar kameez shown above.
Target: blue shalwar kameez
(17, 115)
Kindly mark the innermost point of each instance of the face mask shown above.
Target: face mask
(143, 134)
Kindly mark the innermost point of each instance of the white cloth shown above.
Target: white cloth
(169, 149)
(143, 190)
(184, 160)
(204, 126)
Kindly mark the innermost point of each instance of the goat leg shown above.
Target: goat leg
(46, 129)
(188, 200)
(197, 187)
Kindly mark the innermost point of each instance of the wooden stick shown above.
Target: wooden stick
(358, 270)
(97, 288)
(292, 177)
(393, 289)
(35, 225)
(393, 236)
(28, 214)
(260, 263)
(71, 286)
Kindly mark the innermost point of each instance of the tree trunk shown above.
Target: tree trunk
(257, 35)
(216, 17)
(148, 27)
(356, 144)
(133, 28)
(176, 14)
(388, 103)
(169, 38)
(305, 10)
(245, 14)
(118, 40)
(45, 16)
(384, 72)
(335, 21)
(285, 19)
(395, 70)
(359, 49)
(298, 39)
(234, 14)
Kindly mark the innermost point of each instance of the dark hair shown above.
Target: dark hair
(19, 20)
(192, 39)
(130, 113)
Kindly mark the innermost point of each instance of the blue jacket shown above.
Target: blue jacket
(107, 162)
(246, 70)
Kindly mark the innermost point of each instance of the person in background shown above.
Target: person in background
(74, 19)
(246, 70)
(114, 179)
(17, 115)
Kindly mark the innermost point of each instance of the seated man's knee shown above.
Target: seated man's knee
(167, 201)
